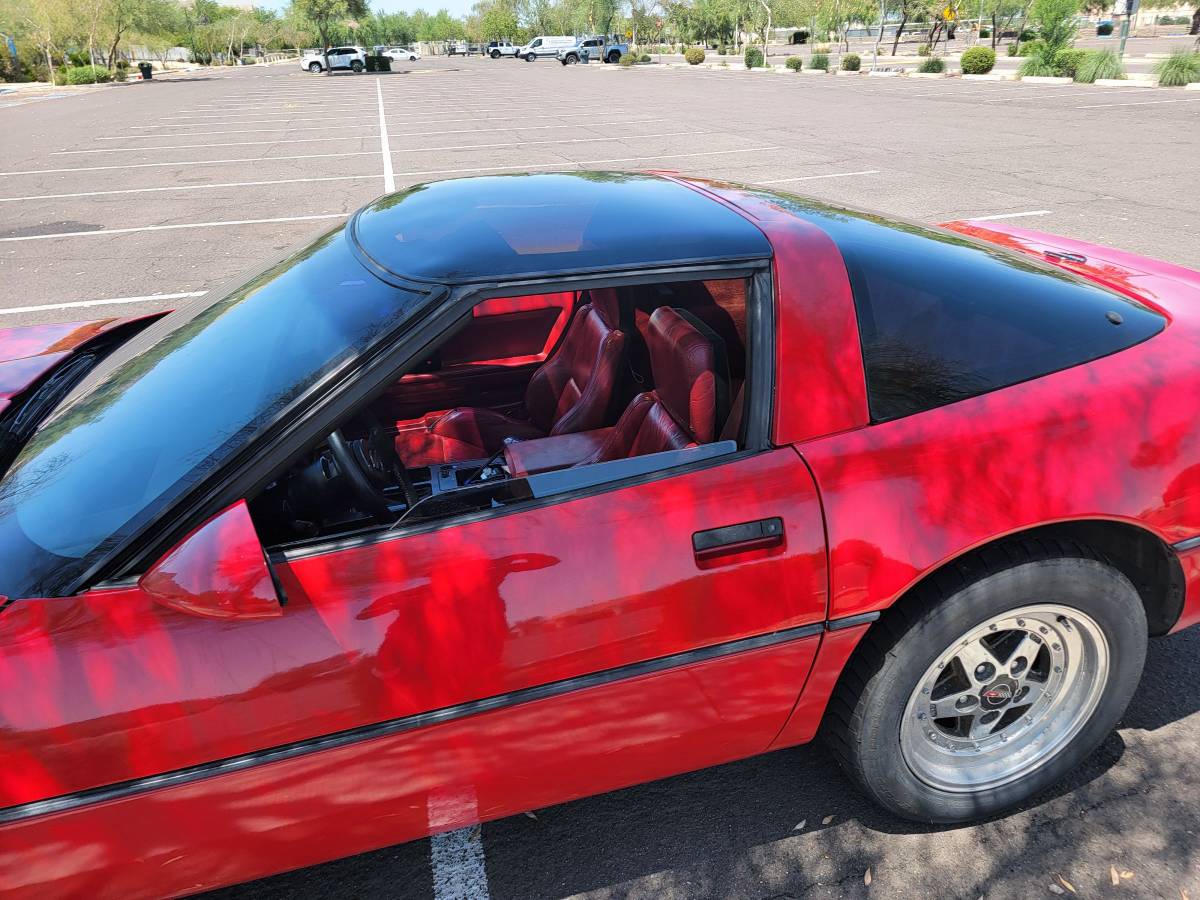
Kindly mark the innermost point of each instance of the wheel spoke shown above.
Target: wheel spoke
(947, 706)
(974, 655)
(1034, 693)
(1027, 648)
(978, 730)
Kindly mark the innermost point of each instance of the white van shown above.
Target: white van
(545, 45)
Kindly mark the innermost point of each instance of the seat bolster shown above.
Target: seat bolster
(591, 410)
(620, 440)
(484, 428)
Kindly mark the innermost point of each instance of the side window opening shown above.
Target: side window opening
(537, 396)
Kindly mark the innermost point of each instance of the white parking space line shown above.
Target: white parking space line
(187, 187)
(459, 870)
(385, 150)
(100, 232)
(817, 177)
(259, 143)
(1074, 92)
(564, 164)
(497, 117)
(112, 301)
(1139, 103)
(1015, 215)
(189, 162)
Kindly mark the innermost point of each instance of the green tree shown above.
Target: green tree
(1056, 23)
(327, 15)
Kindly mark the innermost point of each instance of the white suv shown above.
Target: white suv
(352, 58)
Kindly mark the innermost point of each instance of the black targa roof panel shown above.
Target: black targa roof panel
(505, 227)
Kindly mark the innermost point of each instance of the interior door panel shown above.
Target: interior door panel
(489, 362)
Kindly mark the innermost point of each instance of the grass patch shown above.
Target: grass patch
(1182, 67)
(1097, 64)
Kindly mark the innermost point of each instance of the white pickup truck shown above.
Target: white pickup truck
(592, 48)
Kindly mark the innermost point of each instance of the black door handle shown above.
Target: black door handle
(755, 535)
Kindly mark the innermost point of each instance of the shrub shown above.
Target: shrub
(1104, 29)
(1027, 35)
(1037, 66)
(753, 58)
(1097, 64)
(1031, 48)
(1067, 60)
(1012, 49)
(985, 32)
(978, 60)
(122, 64)
(645, 57)
(851, 62)
(119, 75)
(794, 63)
(1181, 68)
(821, 48)
(694, 56)
(86, 75)
(923, 50)
(932, 65)
(819, 61)
(721, 49)
(628, 59)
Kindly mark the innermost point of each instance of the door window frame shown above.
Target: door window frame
(754, 436)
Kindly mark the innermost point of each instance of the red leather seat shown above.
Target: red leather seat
(690, 396)
(572, 391)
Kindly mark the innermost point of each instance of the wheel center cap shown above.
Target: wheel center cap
(997, 694)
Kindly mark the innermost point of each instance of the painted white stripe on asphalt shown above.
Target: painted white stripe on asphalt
(385, 150)
(563, 164)
(1016, 215)
(187, 187)
(112, 301)
(815, 177)
(106, 231)
(259, 143)
(190, 162)
(459, 870)
(502, 116)
(1140, 103)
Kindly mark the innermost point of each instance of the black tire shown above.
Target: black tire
(613, 57)
(571, 60)
(863, 721)
(356, 66)
(495, 54)
(315, 68)
(530, 57)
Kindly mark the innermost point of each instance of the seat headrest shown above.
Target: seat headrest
(691, 374)
(605, 302)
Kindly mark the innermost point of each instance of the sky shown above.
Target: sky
(456, 7)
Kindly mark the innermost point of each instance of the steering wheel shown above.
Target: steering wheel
(370, 465)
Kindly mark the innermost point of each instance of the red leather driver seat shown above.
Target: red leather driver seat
(691, 391)
(572, 391)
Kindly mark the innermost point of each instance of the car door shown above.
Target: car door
(339, 58)
(408, 683)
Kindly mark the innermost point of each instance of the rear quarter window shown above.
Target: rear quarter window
(943, 318)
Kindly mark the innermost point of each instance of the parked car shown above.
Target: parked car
(592, 48)
(497, 49)
(544, 45)
(403, 53)
(598, 476)
(352, 58)
(462, 48)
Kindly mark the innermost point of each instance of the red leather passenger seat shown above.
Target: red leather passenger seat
(691, 391)
(572, 391)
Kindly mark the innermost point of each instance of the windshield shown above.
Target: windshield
(177, 401)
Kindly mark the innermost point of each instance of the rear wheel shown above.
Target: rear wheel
(614, 57)
(991, 683)
(315, 68)
(356, 66)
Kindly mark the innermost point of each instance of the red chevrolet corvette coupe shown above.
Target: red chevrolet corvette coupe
(516, 489)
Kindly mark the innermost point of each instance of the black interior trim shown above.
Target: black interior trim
(122, 790)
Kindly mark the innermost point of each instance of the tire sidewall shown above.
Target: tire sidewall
(1084, 584)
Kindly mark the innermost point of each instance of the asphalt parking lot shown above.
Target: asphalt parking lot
(131, 198)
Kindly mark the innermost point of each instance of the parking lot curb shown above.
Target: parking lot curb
(1194, 86)
(1127, 82)
(992, 76)
(1045, 79)
(927, 74)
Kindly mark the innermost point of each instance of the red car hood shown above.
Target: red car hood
(1162, 285)
(27, 352)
